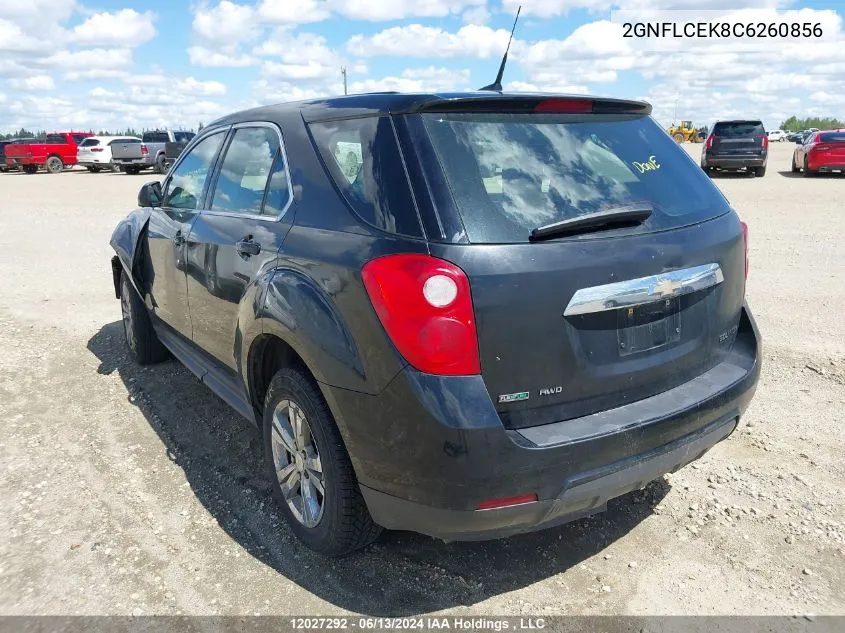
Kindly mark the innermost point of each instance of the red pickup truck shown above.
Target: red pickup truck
(54, 153)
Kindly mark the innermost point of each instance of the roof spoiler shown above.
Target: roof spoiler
(540, 104)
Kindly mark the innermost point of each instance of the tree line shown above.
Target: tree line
(794, 124)
(40, 134)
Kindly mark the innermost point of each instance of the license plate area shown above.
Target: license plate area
(648, 327)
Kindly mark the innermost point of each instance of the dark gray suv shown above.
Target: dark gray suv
(468, 315)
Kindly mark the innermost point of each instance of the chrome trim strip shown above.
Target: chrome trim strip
(624, 294)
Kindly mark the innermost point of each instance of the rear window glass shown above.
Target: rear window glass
(89, 142)
(181, 137)
(738, 129)
(512, 173)
(832, 137)
(364, 162)
(125, 141)
(155, 137)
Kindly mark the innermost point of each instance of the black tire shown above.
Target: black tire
(160, 165)
(345, 524)
(54, 165)
(807, 172)
(795, 168)
(95, 170)
(141, 339)
(132, 171)
(761, 171)
(30, 169)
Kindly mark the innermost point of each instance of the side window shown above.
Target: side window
(78, 138)
(184, 190)
(55, 139)
(250, 168)
(364, 162)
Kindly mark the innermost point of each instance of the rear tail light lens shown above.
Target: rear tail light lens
(565, 106)
(96, 149)
(492, 504)
(144, 150)
(710, 140)
(425, 306)
(745, 242)
(764, 140)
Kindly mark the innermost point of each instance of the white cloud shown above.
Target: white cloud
(94, 74)
(91, 58)
(555, 8)
(201, 56)
(127, 27)
(416, 80)
(36, 82)
(477, 15)
(427, 41)
(35, 13)
(399, 9)
(226, 23)
(293, 11)
(13, 39)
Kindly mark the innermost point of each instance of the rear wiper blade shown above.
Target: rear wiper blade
(622, 215)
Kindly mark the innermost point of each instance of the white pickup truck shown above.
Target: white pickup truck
(150, 153)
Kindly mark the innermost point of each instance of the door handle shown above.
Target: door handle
(248, 247)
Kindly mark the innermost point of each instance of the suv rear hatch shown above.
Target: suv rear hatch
(832, 146)
(578, 323)
(738, 139)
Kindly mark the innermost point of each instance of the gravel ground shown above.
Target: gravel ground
(137, 491)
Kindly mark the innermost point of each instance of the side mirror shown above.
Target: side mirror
(150, 195)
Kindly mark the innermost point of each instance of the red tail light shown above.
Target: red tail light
(425, 306)
(144, 150)
(96, 149)
(565, 106)
(710, 140)
(745, 241)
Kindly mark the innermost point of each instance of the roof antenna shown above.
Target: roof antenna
(496, 86)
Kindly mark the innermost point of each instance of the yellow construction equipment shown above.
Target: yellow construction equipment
(684, 132)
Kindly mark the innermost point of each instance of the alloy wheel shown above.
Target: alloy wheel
(297, 463)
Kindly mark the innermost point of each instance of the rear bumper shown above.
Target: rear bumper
(137, 162)
(731, 162)
(18, 162)
(833, 166)
(583, 495)
(94, 163)
(428, 450)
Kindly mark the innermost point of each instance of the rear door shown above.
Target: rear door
(739, 139)
(583, 323)
(238, 236)
(168, 229)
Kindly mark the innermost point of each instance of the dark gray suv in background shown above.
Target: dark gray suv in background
(468, 315)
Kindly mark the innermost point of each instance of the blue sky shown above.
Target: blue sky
(144, 63)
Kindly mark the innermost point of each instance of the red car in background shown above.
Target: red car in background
(54, 153)
(820, 151)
